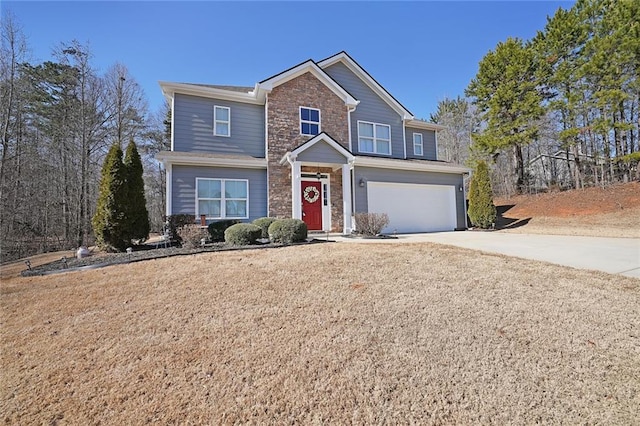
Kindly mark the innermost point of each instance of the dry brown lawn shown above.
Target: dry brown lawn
(326, 333)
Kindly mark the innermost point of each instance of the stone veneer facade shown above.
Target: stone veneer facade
(283, 128)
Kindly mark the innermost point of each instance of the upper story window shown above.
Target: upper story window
(221, 121)
(222, 198)
(309, 121)
(374, 138)
(417, 144)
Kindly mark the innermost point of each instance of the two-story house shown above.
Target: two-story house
(319, 142)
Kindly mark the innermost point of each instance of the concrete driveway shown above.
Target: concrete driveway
(611, 255)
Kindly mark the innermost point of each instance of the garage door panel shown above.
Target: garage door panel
(413, 207)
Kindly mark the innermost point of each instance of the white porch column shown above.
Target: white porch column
(296, 200)
(346, 198)
(168, 169)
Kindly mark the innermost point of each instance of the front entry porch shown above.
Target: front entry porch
(321, 184)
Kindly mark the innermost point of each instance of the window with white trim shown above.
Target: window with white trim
(222, 198)
(221, 121)
(309, 121)
(417, 144)
(374, 138)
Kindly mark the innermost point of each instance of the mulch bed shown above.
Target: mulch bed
(140, 253)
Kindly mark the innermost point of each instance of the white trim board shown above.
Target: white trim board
(170, 157)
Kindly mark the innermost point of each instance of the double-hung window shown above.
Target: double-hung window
(222, 198)
(309, 121)
(221, 121)
(374, 138)
(417, 144)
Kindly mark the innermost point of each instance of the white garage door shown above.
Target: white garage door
(412, 207)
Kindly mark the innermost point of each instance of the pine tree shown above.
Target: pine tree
(482, 212)
(507, 94)
(136, 215)
(109, 221)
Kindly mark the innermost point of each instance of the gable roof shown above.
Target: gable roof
(322, 137)
(350, 63)
(257, 94)
(302, 68)
(326, 138)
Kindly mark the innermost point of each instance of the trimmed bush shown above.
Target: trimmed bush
(287, 231)
(371, 223)
(482, 212)
(217, 229)
(242, 234)
(264, 223)
(191, 235)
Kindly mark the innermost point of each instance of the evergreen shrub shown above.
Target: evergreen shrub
(242, 234)
(136, 214)
(109, 222)
(482, 211)
(264, 223)
(287, 231)
(217, 229)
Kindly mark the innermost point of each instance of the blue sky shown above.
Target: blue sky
(421, 52)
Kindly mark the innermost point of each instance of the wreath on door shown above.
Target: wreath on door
(311, 194)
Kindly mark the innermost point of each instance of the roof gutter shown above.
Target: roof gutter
(383, 163)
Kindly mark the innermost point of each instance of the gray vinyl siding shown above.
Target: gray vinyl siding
(183, 187)
(193, 128)
(405, 176)
(322, 153)
(428, 144)
(371, 108)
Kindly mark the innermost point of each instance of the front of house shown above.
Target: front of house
(320, 142)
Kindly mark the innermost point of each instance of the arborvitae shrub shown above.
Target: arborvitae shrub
(216, 229)
(287, 231)
(242, 234)
(136, 214)
(264, 223)
(109, 225)
(482, 211)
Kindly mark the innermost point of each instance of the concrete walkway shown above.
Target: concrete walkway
(611, 255)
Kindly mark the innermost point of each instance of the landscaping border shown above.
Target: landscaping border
(88, 263)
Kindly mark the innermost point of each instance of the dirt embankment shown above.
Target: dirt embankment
(613, 211)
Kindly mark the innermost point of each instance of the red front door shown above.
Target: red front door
(312, 205)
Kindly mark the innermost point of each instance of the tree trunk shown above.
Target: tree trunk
(577, 168)
(519, 168)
